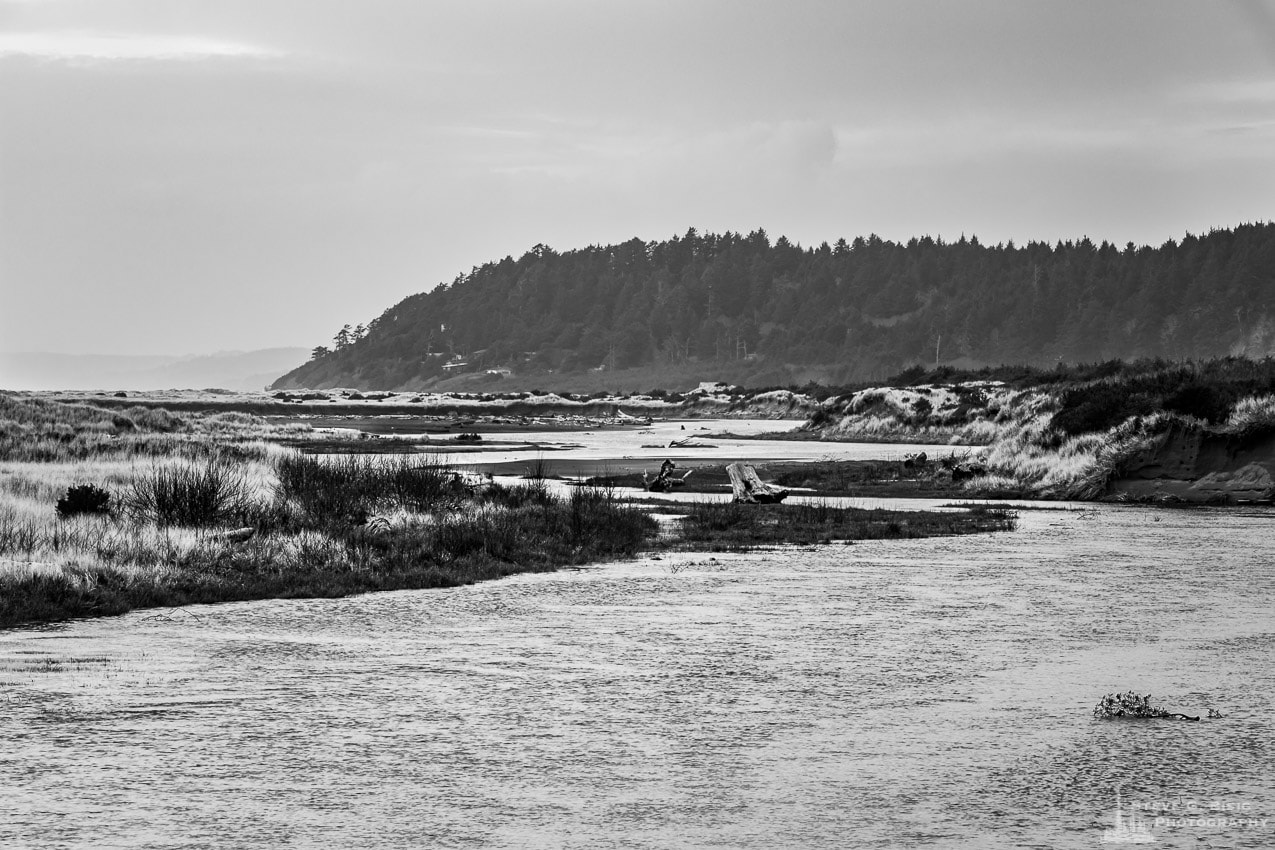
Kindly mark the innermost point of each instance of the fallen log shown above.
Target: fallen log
(749, 489)
(234, 535)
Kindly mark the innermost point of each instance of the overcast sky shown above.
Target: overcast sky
(180, 177)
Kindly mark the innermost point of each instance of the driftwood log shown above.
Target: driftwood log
(234, 535)
(916, 460)
(686, 441)
(750, 489)
(665, 481)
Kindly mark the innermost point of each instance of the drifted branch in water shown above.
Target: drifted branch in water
(1133, 705)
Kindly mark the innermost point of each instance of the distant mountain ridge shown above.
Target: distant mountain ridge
(859, 310)
(231, 370)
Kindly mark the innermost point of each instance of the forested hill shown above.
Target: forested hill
(858, 310)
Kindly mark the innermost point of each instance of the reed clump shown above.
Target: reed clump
(194, 494)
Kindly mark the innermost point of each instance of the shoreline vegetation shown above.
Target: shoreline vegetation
(109, 504)
(106, 511)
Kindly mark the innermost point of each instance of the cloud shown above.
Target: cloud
(79, 47)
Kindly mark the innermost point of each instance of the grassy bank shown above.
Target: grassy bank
(177, 532)
(1081, 442)
(719, 526)
(99, 517)
(1079, 433)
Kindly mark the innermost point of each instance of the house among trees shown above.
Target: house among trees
(456, 364)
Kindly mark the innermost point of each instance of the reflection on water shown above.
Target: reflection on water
(928, 693)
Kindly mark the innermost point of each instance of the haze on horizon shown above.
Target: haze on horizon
(182, 177)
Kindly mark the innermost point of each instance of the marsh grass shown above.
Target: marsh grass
(870, 478)
(169, 545)
(533, 492)
(46, 431)
(354, 486)
(728, 526)
(209, 514)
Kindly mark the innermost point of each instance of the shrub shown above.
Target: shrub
(1201, 401)
(197, 493)
(422, 485)
(155, 419)
(331, 490)
(1098, 408)
(84, 499)
(819, 418)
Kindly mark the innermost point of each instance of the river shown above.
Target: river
(925, 693)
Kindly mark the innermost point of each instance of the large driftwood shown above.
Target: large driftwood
(665, 480)
(751, 489)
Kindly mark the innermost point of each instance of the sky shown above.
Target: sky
(183, 177)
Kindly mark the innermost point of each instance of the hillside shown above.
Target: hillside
(749, 310)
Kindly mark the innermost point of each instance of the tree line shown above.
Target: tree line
(868, 307)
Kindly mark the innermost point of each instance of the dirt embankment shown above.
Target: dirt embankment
(1192, 464)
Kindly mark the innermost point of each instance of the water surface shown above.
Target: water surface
(929, 693)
